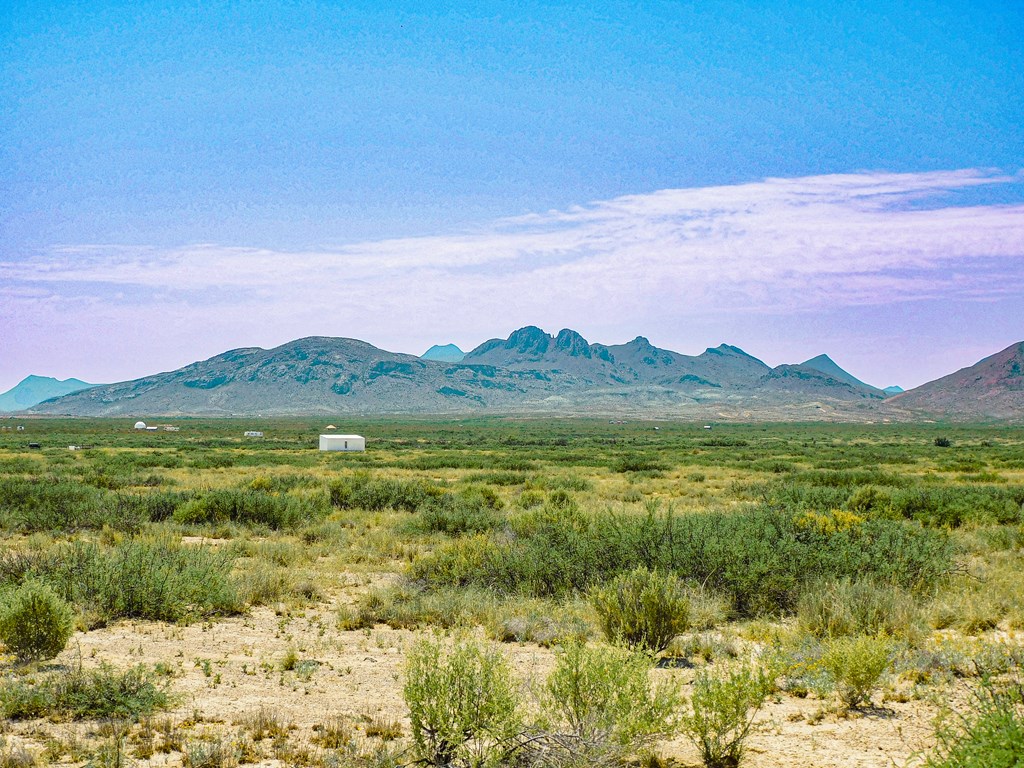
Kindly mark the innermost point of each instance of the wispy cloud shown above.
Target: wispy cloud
(776, 246)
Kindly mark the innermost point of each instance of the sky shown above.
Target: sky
(178, 179)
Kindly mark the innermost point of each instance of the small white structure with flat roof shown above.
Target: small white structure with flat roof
(342, 443)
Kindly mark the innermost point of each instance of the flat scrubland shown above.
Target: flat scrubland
(511, 592)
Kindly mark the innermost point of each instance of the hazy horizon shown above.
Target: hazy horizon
(180, 180)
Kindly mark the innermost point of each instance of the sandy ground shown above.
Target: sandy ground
(231, 668)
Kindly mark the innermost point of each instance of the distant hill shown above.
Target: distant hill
(893, 390)
(530, 372)
(992, 388)
(448, 353)
(35, 389)
(827, 365)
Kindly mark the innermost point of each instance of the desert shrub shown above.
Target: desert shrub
(282, 483)
(262, 583)
(538, 621)
(210, 753)
(217, 460)
(775, 466)
(760, 559)
(856, 664)
(34, 622)
(953, 506)
(83, 694)
(59, 504)
(157, 579)
(561, 499)
(450, 460)
(722, 708)
(500, 477)
(599, 702)
(456, 514)
(974, 604)
(858, 606)
(157, 506)
(463, 703)
(990, 734)
(644, 609)
(248, 507)
(409, 606)
(362, 491)
(637, 463)
(279, 551)
(530, 498)
(708, 646)
(942, 442)
(565, 483)
(868, 501)
(263, 723)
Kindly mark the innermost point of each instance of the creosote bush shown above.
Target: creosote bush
(722, 708)
(760, 559)
(599, 702)
(362, 491)
(644, 609)
(35, 623)
(464, 707)
(990, 734)
(159, 579)
(856, 665)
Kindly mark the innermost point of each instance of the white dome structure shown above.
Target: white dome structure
(140, 425)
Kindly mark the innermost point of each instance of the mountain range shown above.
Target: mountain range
(529, 372)
(992, 388)
(447, 353)
(35, 389)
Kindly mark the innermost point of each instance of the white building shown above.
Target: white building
(140, 425)
(342, 443)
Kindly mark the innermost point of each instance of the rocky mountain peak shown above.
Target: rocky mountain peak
(572, 343)
(529, 340)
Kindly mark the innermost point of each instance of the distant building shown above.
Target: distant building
(140, 425)
(342, 443)
(252, 433)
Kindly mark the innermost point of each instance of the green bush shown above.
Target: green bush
(990, 734)
(157, 579)
(463, 704)
(34, 622)
(456, 514)
(644, 609)
(856, 665)
(361, 491)
(530, 498)
(637, 463)
(600, 702)
(250, 507)
(759, 559)
(722, 710)
(60, 504)
(859, 606)
(80, 695)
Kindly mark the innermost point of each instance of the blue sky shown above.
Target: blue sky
(182, 178)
